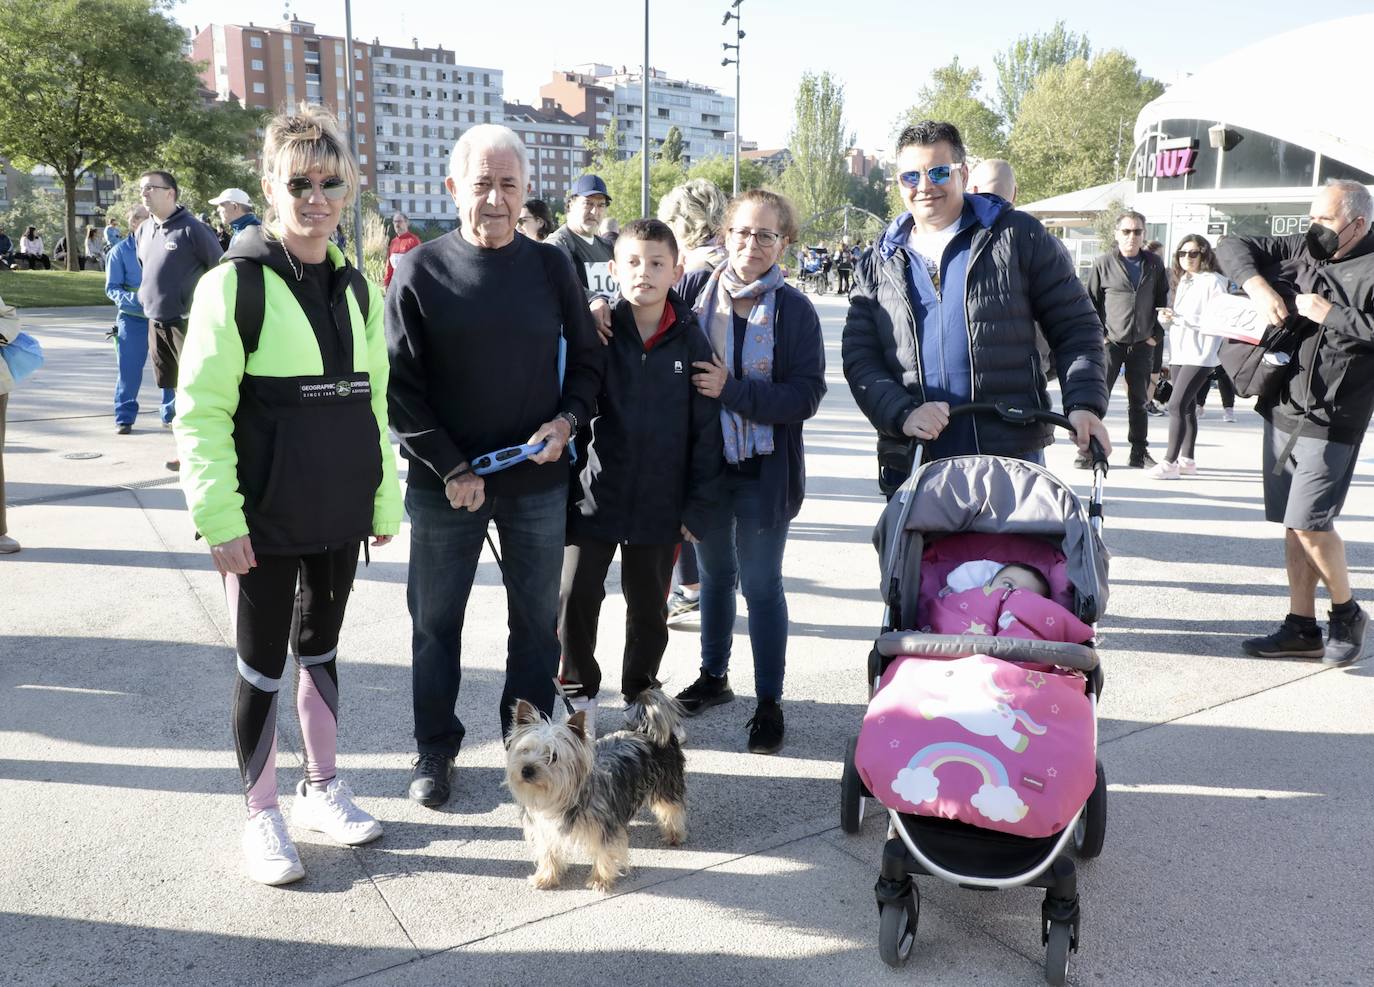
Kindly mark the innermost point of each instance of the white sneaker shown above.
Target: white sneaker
(269, 856)
(1228, 414)
(587, 705)
(334, 813)
(8, 546)
(1163, 471)
(1186, 466)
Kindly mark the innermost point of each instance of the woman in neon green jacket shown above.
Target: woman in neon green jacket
(287, 469)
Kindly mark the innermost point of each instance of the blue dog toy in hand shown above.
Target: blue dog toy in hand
(501, 459)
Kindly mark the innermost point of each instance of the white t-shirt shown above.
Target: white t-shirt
(931, 246)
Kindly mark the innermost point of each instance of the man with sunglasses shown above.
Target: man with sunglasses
(1128, 286)
(944, 312)
(174, 249)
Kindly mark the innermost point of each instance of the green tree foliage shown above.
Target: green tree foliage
(816, 180)
(953, 95)
(212, 150)
(89, 84)
(623, 181)
(604, 151)
(1074, 128)
(721, 170)
(870, 193)
(1020, 64)
(671, 148)
(31, 205)
(1104, 224)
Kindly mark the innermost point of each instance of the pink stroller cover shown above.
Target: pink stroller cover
(990, 743)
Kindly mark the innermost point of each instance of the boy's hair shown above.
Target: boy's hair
(1042, 585)
(653, 230)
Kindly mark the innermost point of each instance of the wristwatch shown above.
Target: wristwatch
(571, 419)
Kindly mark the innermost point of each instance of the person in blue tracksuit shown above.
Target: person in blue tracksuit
(123, 274)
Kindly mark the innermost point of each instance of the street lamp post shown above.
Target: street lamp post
(644, 118)
(739, 36)
(349, 71)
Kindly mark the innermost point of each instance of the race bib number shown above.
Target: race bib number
(599, 279)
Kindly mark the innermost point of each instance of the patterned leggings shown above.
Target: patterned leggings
(296, 601)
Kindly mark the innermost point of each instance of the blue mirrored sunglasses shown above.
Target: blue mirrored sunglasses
(938, 175)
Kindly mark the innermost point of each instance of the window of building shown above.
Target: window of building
(259, 88)
(358, 75)
(1261, 161)
(362, 159)
(1335, 169)
(255, 42)
(257, 65)
(286, 44)
(362, 117)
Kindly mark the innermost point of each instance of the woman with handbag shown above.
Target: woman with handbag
(1193, 354)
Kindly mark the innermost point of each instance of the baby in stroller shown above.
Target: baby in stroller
(1004, 600)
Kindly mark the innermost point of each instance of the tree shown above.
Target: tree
(1074, 128)
(671, 148)
(1020, 64)
(721, 170)
(816, 180)
(90, 84)
(870, 193)
(605, 151)
(953, 95)
(31, 205)
(623, 182)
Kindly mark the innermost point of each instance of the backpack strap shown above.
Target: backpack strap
(249, 303)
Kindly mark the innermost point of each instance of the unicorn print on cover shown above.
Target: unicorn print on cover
(983, 741)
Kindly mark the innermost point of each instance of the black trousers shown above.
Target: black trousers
(646, 573)
(167, 338)
(1138, 358)
(1224, 385)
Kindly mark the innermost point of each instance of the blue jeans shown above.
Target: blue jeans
(131, 355)
(742, 552)
(445, 545)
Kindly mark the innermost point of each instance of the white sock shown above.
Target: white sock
(690, 594)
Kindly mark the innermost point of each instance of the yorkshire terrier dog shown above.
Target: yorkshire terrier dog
(579, 793)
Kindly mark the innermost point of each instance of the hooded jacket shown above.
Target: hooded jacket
(1128, 311)
(174, 254)
(1017, 275)
(287, 444)
(1330, 393)
(654, 458)
(123, 277)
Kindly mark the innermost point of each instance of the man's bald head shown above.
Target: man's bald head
(994, 175)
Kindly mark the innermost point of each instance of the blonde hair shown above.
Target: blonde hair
(695, 211)
(787, 215)
(297, 142)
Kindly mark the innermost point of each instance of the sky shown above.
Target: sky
(881, 50)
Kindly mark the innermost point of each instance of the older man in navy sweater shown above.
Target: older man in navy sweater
(473, 324)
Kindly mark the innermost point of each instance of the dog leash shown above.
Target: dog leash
(564, 696)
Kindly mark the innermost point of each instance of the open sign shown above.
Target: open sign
(1288, 225)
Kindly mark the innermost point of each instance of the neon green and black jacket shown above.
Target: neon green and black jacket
(284, 437)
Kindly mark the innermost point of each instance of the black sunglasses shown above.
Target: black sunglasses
(334, 188)
(1189, 253)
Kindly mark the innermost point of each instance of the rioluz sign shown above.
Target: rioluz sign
(1173, 158)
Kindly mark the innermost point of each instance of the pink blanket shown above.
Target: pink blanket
(1004, 613)
(984, 741)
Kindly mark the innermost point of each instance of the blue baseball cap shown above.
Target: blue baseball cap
(589, 185)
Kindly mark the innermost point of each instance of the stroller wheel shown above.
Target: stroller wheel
(1091, 829)
(852, 792)
(897, 930)
(1057, 953)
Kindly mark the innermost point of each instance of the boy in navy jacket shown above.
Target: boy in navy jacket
(651, 471)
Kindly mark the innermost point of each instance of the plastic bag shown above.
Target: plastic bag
(23, 355)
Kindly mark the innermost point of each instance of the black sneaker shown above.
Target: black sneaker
(1289, 641)
(1141, 461)
(1346, 640)
(707, 691)
(1154, 410)
(680, 608)
(765, 728)
(123, 428)
(429, 782)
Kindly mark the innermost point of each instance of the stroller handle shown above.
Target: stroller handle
(1026, 416)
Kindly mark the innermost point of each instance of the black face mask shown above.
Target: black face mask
(1323, 241)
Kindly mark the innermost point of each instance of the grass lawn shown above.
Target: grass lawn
(52, 289)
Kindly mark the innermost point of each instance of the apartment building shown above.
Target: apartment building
(422, 102)
(556, 143)
(271, 68)
(705, 117)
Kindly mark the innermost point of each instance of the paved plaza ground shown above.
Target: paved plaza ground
(1241, 790)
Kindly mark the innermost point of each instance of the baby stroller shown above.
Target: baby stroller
(951, 697)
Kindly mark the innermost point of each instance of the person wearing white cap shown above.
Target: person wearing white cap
(235, 211)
